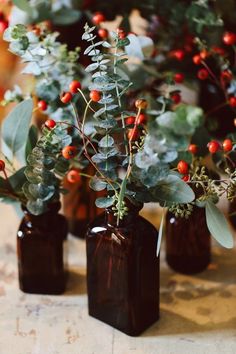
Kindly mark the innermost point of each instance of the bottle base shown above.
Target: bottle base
(188, 265)
(129, 329)
(47, 287)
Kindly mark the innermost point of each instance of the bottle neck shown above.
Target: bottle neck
(44, 220)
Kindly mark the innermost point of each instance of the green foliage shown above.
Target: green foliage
(173, 190)
(45, 168)
(15, 127)
(50, 62)
(60, 13)
(32, 140)
(218, 226)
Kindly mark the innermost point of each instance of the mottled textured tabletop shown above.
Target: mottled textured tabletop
(198, 314)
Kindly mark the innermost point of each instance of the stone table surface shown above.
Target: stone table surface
(198, 314)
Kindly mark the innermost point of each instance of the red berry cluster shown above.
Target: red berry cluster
(74, 87)
(214, 146)
(141, 119)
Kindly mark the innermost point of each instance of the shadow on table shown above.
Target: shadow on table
(223, 262)
(199, 303)
(76, 284)
(173, 324)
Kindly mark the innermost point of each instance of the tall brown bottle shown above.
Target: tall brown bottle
(188, 242)
(123, 272)
(40, 241)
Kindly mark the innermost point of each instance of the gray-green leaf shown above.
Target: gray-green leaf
(16, 126)
(218, 226)
(104, 202)
(173, 190)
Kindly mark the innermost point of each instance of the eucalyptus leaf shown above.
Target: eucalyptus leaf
(99, 112)
(106, 141)
(18, 179)
(23, 5)
(16, 126)
(217, 225)
(66, 16)
(32, 140)
(92, 67)
(97, 184)
(41, 191)
(104, 202)
(36, 207)
(173, 190)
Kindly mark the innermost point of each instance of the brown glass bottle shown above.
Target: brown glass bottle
(79, 204)
(232, 213)
(188, 242)
(40, 252)
(123, 272)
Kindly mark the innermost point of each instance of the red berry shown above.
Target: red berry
(42, 105)
(141, 104)
(178, 54)
(229, 38)
(73, 176)
(186, 178)
(133, 134)
(121, 33)
(232, 101)
(193, 148)
(182, 167)
(69, 152)
(176, 98)
(103, 33)
(98, 18)
(197, 59)
(95, 95)
(179, 78)
(50, 123)
(2, 165)
(3, 25)
(202, 74)
(226, 75)
(130, 120)
(218, 50)
(204, 54)
(75, 86)
(227, 145)
(213, 146)
(66, 97)
(142, 119)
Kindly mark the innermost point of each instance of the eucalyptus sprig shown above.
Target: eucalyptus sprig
(50, 62)
(45, 169)
(118, 142)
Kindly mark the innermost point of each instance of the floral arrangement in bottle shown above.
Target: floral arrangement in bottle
(140, 159)
(32, 167)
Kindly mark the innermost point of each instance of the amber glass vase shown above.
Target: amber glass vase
(79, 204)
(123, 272)
(188, 243)
(40, 243)
(232, 213)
